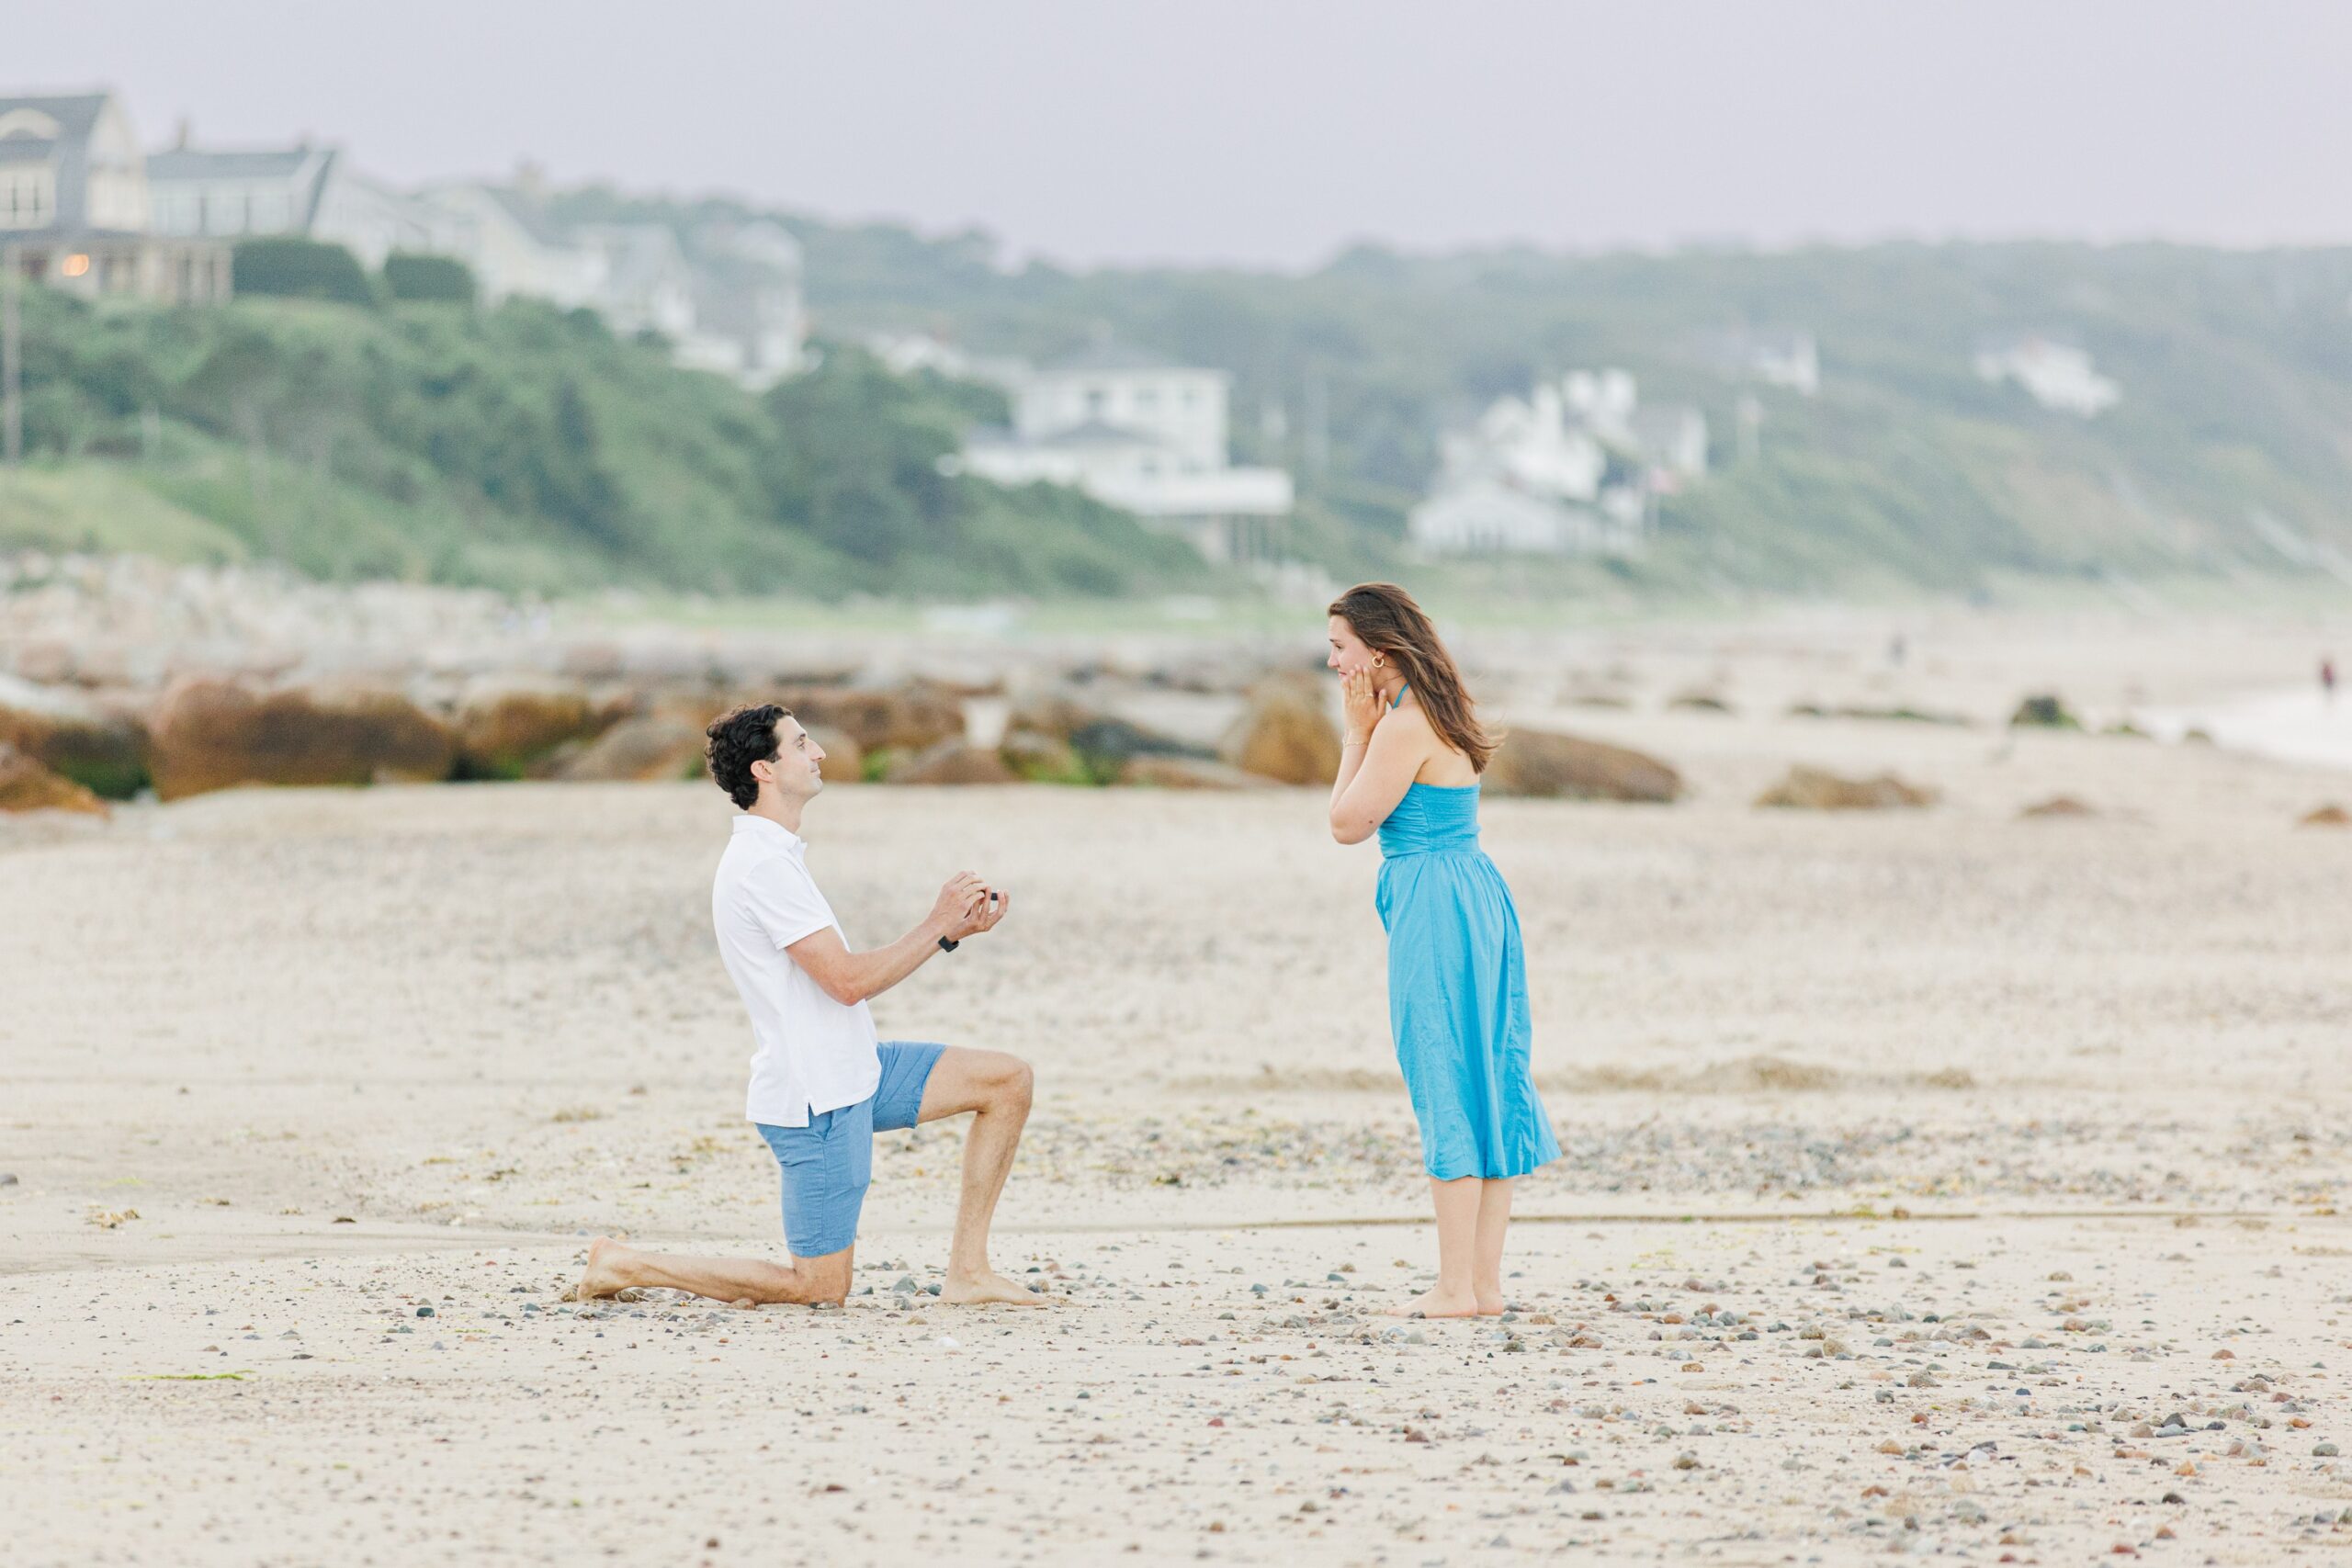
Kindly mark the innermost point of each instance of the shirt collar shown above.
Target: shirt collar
(749, 822)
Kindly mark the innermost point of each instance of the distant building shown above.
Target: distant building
(906, 353)
(1779, 358)
(74, 206)
(643, 282)
(1487, 515)
(303, 190)
(749, 322)
(2058, 375)
(505, 234)
(1572, 468)
(1143, 434)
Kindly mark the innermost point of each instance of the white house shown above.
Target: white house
(749, 319)
(1142, 434)
(503, 233)
(73, 204)
(230, 195)
(1492, 516)
(645, 284)
(1571, 469)
(2057, 376)
(1181, 407)
(310, 191)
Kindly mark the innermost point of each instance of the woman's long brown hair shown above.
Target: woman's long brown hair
(1388, 622)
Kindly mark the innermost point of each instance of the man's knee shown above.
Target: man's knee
(1015, 1084)
(824, 1281)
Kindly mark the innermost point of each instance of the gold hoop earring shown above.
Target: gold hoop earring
(1380, 661)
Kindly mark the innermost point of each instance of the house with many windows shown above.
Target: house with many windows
(74, 205)
(1143, 434)
(304, 191)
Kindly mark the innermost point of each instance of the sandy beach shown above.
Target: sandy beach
(1936, 1182)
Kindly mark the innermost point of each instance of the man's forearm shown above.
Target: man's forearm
(875, 972)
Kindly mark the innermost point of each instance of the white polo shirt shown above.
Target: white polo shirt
(810, 1053)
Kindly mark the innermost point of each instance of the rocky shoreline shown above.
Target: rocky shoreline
(120, 676)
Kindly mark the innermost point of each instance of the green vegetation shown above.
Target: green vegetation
(294, 268)
(445, 278)
(525, 448)
(2225, 461)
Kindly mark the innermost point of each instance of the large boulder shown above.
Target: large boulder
(508, 725)
(663, 744)
(1544, 763)
(99, 746)
(954, 762)
(1042, 759)
(211, 734)
(1057, 715)
(1187, 772)
(1814, 789)
(25, 786)
(1287, 734)
(844, 758)
(913, 716)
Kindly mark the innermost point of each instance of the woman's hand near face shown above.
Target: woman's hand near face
(1360, 699)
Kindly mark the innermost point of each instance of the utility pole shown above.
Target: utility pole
(12, 366)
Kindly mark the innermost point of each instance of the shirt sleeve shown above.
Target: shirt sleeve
(785, 901)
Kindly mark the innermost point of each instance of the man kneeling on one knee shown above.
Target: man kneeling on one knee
(821, 1084)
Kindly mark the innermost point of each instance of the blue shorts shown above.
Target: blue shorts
(828, 1164)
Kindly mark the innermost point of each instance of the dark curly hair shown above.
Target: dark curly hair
(739, 738)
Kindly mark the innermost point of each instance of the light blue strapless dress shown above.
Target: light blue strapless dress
(1457, 991)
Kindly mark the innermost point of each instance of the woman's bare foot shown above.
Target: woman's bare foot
(1492, 1304)
(1437, 1303)
(605, 1274)
(990, 1289)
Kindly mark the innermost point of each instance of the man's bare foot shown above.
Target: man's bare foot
(604, 1275)
(990, 1289)
(1437, 1303)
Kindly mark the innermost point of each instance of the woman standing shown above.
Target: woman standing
(1457, 980)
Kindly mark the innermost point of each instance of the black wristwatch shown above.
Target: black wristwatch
(947, 946)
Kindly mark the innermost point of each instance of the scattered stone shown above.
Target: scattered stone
(844, 758)
(1814, 789)
(2059, 806)
(913, 716)
(101, 747)
(25, 786)
(1700, 701)
(2328, 816)
(1285, 734)
(1187, 772)
(213, 734)
(1900, 715)
(508, 725)
(954, 763)
(1550, 765)
(2043, 712)
(643, 748)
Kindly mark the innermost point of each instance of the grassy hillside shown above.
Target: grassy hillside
(522, 447)
(2230, 454)
(528, 447)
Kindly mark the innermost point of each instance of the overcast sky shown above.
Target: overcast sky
(1276, 131)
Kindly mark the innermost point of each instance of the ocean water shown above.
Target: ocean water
(2299, 724)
